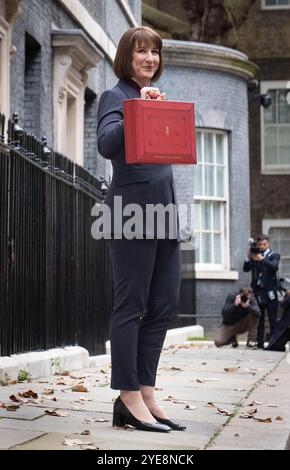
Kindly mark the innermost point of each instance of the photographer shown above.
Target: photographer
(240, 314)
(281, 334)
(264, 263)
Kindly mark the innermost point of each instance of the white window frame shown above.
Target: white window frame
(218, 271)
(267, 224)
(273, 7)
(267, 169)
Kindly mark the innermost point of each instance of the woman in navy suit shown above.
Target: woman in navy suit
(146, 267)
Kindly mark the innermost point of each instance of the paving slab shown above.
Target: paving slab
(191, 375)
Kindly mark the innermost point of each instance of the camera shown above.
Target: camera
(254, 248)
(244, 298)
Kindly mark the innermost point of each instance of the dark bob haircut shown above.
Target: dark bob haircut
(139, 35)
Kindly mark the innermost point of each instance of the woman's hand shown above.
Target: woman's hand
(152, 93)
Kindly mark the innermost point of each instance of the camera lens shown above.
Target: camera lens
(244, 298)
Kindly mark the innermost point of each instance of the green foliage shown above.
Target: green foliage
(24, 375)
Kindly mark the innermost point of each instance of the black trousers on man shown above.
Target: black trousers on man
(146, 277)
(272, 309)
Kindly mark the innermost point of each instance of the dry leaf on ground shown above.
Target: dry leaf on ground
(231, 369)
(224, 412)
(12, 407)
(262, 420)
(279, 418)
(58, 413)
(79, 388)
(16, 399)
(28, 394)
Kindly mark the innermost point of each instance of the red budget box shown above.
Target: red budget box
(159, 131)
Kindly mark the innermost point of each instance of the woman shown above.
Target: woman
(146, 270)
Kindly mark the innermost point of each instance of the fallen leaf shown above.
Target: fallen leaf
(236, 435)
(168, 398)
(101, 420)
(61, 414)
(43, 381)
(262, 420)
(272, 405)
(231, 369)
(16, 399)
(79, 388)
(203, 363)
(77, 375)
(279, 418)
(175, 368)
(245, 415)
(200, 381)
(210, 404)
(12, 407)
(28, 394)
(48, 391)
(86, 432)
(158, 388)
(224, 412)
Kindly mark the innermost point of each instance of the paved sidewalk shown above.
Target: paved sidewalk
(204, 387)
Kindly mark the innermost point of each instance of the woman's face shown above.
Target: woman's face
(145, 62)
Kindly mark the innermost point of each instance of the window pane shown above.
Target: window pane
(198, 146)
(206, 248)
(220, 181)
(270, 2)
(220, 148)
(270, 114)
(208, 147)
(197, 172)
(209, 180)
(284, 107)
(284, 145)
(217, 248)
(206, 216)
(283, 2)
(271, 144)
(217, 226)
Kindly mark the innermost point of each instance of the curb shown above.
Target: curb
(43, 363)
(176, 336)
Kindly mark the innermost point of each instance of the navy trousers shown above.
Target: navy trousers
(146, 276)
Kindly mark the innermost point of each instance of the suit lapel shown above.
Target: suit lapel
(128, 90)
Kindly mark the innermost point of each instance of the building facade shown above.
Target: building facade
(265, 38)
(56, 60)
(215, 78)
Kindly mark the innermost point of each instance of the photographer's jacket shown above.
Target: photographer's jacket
(264, 273)
(232, 313)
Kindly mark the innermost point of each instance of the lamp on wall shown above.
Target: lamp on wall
(265, 99)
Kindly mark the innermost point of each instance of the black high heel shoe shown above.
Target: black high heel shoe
(172, 424)
(122, 416)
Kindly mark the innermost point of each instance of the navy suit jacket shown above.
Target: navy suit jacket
(137, 183)
(268, 269)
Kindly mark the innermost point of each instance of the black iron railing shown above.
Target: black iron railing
(55, 279)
